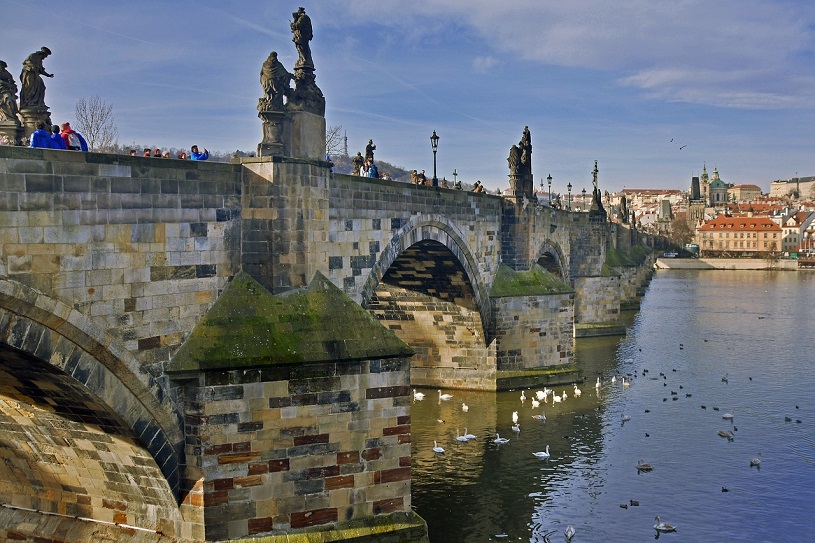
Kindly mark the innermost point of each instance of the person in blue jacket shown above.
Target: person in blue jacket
(56, 139)
(195, 155)
(41, 138)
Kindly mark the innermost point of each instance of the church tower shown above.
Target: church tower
(704, 186)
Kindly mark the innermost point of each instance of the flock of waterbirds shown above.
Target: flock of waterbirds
(542, 397)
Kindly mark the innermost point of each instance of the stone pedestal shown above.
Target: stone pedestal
(307, 135)
(13, 132)
(32, 116)
(273, 134)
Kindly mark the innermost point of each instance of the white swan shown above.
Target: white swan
(465, 407)
(516, 427)
(418, 395)
(556, 399)
(543, 454)
(468, 435)
(523, 397)
(515, 417)
(540, 417)
(597, 384)
(535, 403)
(577, 391)
(460, 437)
(728, 415)
(625, 418)
(445, 397)
(564, 395)
(663, 526)
(500, 440)
(756, 461)
(540, 394)
(626, 384)
(569, 532)
(437, 449)
(613, 378)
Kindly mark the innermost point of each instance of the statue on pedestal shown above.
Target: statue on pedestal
(307, 96)
(10, 126)
(302, 34)
(276, 83)
(33, 86)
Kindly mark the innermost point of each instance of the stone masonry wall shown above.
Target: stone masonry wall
(141, 246)
(597, 300)
(298, 447)
(534, 331)
(369, 216)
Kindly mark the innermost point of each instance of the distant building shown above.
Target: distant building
(717, 190)
(748, 236)
(744, 193)
(793, 228)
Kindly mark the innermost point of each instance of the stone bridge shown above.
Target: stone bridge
(209, 351)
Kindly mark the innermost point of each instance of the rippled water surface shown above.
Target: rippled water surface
(693, 329)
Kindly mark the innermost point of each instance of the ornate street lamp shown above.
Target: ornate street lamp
(549, 179)
(434, 143)
(583, 202)
(569, 188)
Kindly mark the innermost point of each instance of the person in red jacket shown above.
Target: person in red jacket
(73, 139)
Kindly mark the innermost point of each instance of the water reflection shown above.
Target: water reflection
(693, 329)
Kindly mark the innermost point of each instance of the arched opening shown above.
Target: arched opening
(425, 297)
(64, 452)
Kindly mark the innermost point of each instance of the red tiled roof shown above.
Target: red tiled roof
(723, 222)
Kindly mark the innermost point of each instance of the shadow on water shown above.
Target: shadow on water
(693, 328)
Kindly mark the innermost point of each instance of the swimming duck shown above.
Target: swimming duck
(756, 461)
(644, 466)
(569, 532)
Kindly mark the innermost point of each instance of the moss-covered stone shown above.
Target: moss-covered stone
(616, 258)
(248, 327)
(534, 282)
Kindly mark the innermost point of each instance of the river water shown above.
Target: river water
(694, 329)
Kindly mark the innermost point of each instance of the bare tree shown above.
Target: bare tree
(94, 119)
(334, 140)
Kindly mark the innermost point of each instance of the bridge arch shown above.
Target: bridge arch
(425, 227)
(552, 258)
(65, 342)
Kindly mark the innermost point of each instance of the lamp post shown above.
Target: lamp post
(583, 201)
(434, 143)
(455, 176)
(549, 179)
(569, 188)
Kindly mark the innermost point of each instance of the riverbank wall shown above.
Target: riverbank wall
(724, 264)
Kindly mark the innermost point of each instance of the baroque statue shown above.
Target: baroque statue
(302, 35)
(8, 96)
(32, 94)
(369, 150)
(276, 83)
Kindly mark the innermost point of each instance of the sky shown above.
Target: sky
(650, 89)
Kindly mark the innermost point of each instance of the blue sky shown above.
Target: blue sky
(624, 83)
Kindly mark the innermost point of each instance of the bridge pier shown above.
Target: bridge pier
(297, 422)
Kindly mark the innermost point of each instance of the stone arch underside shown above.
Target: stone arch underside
(426, 298)
(63, 451)
(552, 259)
